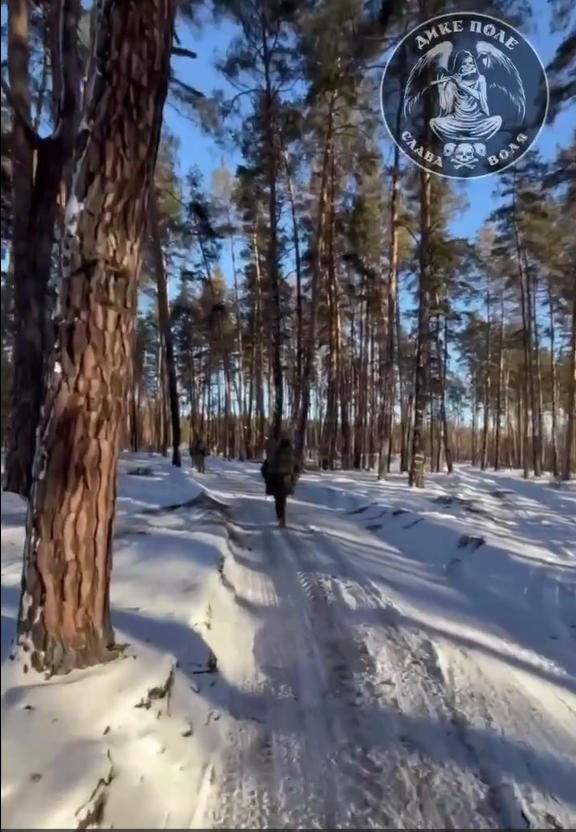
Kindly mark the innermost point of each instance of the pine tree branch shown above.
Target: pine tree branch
(69, 88)
(181, 52)
(186, 87)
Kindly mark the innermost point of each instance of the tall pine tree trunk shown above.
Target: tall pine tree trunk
(165, 331)
(64, 617)
(553, 382)
(571, 423)
(417, 463)
(389, 386)
(273, 259)
(308, 366)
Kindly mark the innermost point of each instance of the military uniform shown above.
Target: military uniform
(198, 454)
(280, 473)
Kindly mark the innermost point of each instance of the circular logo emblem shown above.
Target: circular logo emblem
(464, 95)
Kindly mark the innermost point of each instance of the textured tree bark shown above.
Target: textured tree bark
(64, 618)
(34, 335)
(39, 165)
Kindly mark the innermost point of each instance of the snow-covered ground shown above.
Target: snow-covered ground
(394, 659)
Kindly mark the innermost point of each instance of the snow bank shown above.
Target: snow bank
(125, 745)
(484, 556)
(119, 743)
(404, 672)
(395, 658)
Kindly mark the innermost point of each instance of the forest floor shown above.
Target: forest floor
(393, 659)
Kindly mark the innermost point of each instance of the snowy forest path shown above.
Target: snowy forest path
(346, 716)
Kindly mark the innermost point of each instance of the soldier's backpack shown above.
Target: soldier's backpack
(283, 462)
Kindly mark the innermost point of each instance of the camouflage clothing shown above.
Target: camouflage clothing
(198, 454)
(282, 463)
(270, 448)
(280, 472)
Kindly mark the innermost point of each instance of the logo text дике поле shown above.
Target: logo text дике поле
(464, 95)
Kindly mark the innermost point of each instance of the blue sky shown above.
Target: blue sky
(212, 40)
(201, 150)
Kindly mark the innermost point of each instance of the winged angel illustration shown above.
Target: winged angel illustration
(467, 84)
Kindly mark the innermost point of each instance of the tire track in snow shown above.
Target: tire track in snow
(246, 789)
(469, 713)
(388, 775)
(273, 771)
(499, 800)
(340, 753)
(356, 798)
(521, 788)
(365, 727)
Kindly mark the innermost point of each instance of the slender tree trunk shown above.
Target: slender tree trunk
(538, 402)
(317, 260)
(165, 330)
(258, 346)
(405, 400)
(553, 382)
(474, 432)
(64, 617)
(241, 449)
(534, 369)
(500, 377)
(273, 261)
(299, 362)
(446, 433)
(343, 392)
(416, 474)
(389, 386)
(38, 166)
(571, 423)
(487, 382)
(527, 343)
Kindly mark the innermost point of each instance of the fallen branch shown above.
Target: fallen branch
(91, 814)
(160, 692)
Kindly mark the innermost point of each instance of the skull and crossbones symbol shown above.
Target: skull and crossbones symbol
(464, 155)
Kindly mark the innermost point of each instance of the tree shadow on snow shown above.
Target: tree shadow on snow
(319, 670)
(390, 732)
(8, 624)
(282, 690)
(458, 597)
(195, 661)
(14, 519)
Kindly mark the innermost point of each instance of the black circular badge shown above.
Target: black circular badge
(464, 95)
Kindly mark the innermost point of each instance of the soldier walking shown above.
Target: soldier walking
(198, 452)
(280, 473)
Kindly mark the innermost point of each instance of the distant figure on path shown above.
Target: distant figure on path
(280, 473)
(198, 452)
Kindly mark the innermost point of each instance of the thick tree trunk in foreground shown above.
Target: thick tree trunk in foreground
(64, 618)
